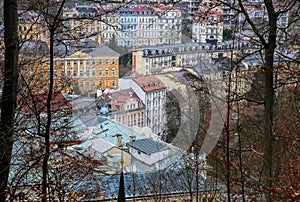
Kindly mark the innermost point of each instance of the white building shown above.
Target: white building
(153, 93)
(169, 25)
(148, 151)
(207, 25)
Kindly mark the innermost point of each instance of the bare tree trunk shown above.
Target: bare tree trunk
(48, 124)
(269, 96)
(227, 131)
(53, 24)
(8, 101)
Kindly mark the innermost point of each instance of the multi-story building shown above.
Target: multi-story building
(147, 26)
(207, 25)
(32, 26)
(169, 25)
(110, 24)
(123, 106)
(153, 60)
(188, 8)
(81, 22)
(128, 27)
(83, 70)
(258, 14)
(97, 69)
(229, 19)
(153, 93)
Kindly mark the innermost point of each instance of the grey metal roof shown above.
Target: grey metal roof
(142, 186)
(103, 50)
(147, 146)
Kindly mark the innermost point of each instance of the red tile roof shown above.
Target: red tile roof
(38, 102)
(142, 8)
(149, 83)
(203, 14)
(119, 97)
(166, 8)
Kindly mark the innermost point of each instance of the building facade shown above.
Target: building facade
(82, 71)
(154, 60)
(98, 69)
(147, 26)
(128, 27)
(169, 25)
(207, 25)
(32, 26)
(153, 93)
(123, 106)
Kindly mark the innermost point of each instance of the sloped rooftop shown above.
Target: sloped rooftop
(149, 83)
(142, 186)
(147, 146)
(103, 50)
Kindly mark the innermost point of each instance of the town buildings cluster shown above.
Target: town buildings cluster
(129, 126)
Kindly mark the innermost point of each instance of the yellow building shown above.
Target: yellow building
(82, 22)
(82, 72)
(32, 26)
(88, 21)
(89, 71)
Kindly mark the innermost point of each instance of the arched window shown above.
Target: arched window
(106, 72)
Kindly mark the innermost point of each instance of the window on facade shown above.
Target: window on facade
(68, 62)
(87, 83)
(81, 84)
(75, 62)
(81, 62)
(62, 73)
(55, 62)
(55, 73)
(113, 61)
(100, 72)
(94, 83)
(81, 73)
(107, 61)
(87, 72)
(100, 61)
(113, 71)
(74, 73)
(100, 83)
(93, 72)
(106, 72)
(113, 83)
(69, 73)
(55, 86)
(42, 73)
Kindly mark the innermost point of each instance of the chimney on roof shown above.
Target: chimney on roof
(132, 138)
(119, 140)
